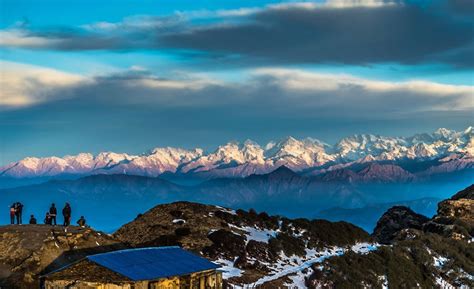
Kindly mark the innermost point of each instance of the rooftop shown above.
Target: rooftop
(151, 263)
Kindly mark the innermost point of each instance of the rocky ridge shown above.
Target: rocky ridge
(423, 253)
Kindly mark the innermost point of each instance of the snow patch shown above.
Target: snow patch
(439, 261)
(228, 269)
(226, 210)
(443, 283)
(364, 248)
(178, 221)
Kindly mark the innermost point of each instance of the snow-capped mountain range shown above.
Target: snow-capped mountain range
(311, 156)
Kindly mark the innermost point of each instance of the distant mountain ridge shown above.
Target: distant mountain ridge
(311, 156)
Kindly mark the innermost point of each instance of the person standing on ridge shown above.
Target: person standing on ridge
(67, 215)
(19, 212)
(82, 222)
(53, 213)
(12, 214)
(33, 220)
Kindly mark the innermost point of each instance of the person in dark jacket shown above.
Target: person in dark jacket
(67, 214)
(12, 214)
(53, 212)
(81, 222)
(47, 219)
(33, 220)
(19, 213)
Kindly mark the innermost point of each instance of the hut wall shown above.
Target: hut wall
(201, 280)
(65, 284)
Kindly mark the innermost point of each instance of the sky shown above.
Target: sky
(131, 75)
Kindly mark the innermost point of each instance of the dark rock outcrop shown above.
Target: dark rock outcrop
(394, 220)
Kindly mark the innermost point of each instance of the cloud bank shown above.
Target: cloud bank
(264, 91)
(349, 32)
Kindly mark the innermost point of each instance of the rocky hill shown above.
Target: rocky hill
(424, 253)
(254, 248)
(28, 251)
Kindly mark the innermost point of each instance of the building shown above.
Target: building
(144, 268)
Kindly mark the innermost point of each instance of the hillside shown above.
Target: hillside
(30, 250)
(254, 248)
(426, 253)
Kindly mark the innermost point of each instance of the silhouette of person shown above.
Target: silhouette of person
(82, 221)
(19, 213)
(33, 220)
(67, 214)
(53, 212)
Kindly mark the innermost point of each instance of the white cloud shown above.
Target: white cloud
(333, 4)
(21, 38)
(24, 84)
(299, 80)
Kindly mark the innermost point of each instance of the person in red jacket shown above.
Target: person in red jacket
(12, 214)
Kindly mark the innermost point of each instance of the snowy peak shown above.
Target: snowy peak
(241, 159)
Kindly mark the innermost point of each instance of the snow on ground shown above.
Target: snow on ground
(289, 265)
(256, 233)
(364, 248)
(176, 221)
(228, 269)
(225, 210)
(293, 266)
(443, 284)
(384, 281)
(298, 279)
(439, 261)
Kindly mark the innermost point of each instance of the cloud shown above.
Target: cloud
(45, 108)
(352, 35)
(263, 91)
(337, 31)
(24, 85)
(21, 38)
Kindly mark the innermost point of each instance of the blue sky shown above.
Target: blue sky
(131, 75)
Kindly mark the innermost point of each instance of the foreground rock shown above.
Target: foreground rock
(27, 251)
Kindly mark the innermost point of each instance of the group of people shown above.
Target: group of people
(16, 211)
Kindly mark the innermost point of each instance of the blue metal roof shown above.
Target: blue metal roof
(152, 263)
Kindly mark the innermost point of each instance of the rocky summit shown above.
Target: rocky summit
(396, 219)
